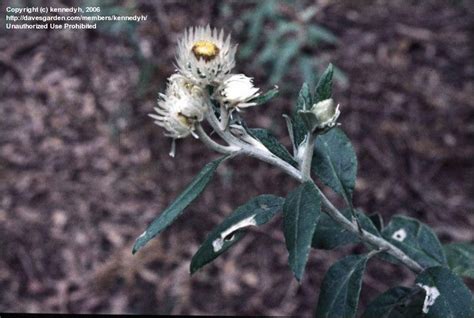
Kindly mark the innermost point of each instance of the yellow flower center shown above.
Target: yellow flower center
(185, 120)
(205, 50)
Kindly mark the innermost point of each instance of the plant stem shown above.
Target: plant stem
(223, 133)
(241, 147)
(224, 118)
(204, 137)
(368, 237)
(251, 150)
(305, 166)
(337, 216)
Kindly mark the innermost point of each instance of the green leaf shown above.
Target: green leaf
(306, 65)
(257, 211)
(317, 33)
(269, 95)
(416, 239)
(340, 289)
(256, 21)
(397, 302)
(301, 212)
(303, 102)
(193, 190)
(446, 295)
(272, 143)
(329, 234)
(286, 53)
(460, 258)
(268, 52)
(341, 77)
(324, 86)
(377, 220)
(335, 162)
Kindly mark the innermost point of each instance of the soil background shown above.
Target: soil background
(83, 169)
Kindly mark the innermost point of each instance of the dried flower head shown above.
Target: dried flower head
(180, 108)
(179, 84)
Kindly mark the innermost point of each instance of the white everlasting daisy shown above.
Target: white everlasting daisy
(180, 108)
(204, 56)
(169, 115)
(236, 91)
(179, 84)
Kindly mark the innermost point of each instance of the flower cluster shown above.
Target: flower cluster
(204, 63)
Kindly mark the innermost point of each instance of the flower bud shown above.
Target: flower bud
(236, 91)
(321, 117)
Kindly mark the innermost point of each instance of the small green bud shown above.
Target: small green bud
(321, 117)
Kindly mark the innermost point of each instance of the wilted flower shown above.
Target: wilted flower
(204, 56)
(321, 116)
(179, 84)
(180, 108)
(236, 91)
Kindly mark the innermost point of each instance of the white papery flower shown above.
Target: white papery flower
(180, 108)
(321, 116)
(327, 113)
(236, 91)
(204, 56)
(178, 85)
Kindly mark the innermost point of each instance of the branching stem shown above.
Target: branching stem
(238, 146)
(251, 150)
(307, 157)
(368, 237)
(204, 137)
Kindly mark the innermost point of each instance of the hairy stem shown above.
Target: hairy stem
(337, 215)
(353, 227)
(251, 150)
(368, 237)
(224, 118)
(223, 133)
(204, 137)
(307, 157)
(303, 175)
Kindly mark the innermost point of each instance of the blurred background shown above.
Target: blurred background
(83, 170)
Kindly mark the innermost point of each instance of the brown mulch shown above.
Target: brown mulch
(83, 170)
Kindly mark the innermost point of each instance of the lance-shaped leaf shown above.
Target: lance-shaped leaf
(269, 95)
(317, 34)
(301, 213)
(272, 143)
(340, 289)
(283, 59)
(304, 102)
(329, 234)
(167, 217)
(397, 302)
(416, 239)
(324, 87)
(446, 295)
(460, 258)
(335, 162)
(257, 211)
